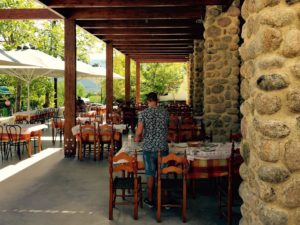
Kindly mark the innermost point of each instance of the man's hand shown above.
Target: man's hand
(137, 138)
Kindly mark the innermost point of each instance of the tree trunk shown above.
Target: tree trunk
(18, 98)
(47, 100)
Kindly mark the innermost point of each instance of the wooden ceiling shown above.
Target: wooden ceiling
(146, 30)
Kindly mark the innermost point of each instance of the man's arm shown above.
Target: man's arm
(139, 132)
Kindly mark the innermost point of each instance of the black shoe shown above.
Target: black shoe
(148, 203)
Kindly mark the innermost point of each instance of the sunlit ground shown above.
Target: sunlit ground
(10, 170)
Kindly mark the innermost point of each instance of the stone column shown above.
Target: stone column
(221, 71)
(188, 81)
(198, 91)
(191, 79)
(271, 123)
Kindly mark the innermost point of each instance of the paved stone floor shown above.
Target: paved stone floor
(58, 190)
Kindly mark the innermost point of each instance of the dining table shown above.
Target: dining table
(27, 132)
(116, 127)
(7, 120)
(205, 159)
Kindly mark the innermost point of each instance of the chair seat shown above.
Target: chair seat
(124, 183)
(172, 184)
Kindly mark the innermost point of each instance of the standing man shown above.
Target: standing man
(153, 128)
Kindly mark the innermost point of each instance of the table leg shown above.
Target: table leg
(29, 147)
(39, 142)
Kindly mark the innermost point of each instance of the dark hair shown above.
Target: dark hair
(152, 96)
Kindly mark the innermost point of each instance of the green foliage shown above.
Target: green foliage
(161, 78)
(80, 91)
(60, 93)
(47, 36)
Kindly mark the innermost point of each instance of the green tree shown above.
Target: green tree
(47, 36)
(161, 78)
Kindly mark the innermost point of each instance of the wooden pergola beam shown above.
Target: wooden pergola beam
(141, 47)
(157, 56)
(150, 37)
(184, 12)
(139, 23)
(158, 51)
(151, 42)
(26, 14)
(150, 31)
(158, 60)
(130, 3)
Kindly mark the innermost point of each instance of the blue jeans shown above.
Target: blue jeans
(150, 162)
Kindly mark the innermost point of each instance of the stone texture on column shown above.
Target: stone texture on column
(191, 79)
(198, 91)
(221, 71)
(271, 110)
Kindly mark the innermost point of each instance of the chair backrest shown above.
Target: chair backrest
(13, 133)
(88, 133)
(172, 163)
(116, 118)
(105, 132)
(122, 162)
(58, 122)
(1, 132)
(173, 123)
(235, 137)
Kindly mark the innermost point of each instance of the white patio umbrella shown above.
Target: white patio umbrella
(42, 64)
(8, 60)
(94, 72)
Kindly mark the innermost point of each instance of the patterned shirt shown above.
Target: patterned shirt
(155, 132)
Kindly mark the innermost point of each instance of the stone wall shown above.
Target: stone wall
(191, 79)
(271, 123)
(198, 77)
(221, 71)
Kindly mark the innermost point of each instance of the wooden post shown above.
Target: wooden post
(70, 87)
(109, 78)
(55, 93)
(127, 79)
(138, 84)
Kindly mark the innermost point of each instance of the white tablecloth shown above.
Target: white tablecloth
(28, 128)
(117, 127)
(205, 151)
(7, 120)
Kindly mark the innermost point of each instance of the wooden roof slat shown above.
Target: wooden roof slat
(163, 60)
(149, 37)
(157, 53)
(148, 23)
(153, 47)
(152, 42)
(32, 14)
(155, 56)
(129, 31)
(184, 12)
(128, 3)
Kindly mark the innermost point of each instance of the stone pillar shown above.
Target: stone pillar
(191, 79)
(188, 101)
(221, 71)
(198, 91)
(271, 110)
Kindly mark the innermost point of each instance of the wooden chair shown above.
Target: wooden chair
(116, 118)
(3, 144)
(16, 140)
(123, 163)
(58, 125)
(229, 185)
(105, 137)
(87, 136)
(173, 129)
(176, 165)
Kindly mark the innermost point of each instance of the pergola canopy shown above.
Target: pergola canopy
(145, 30)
